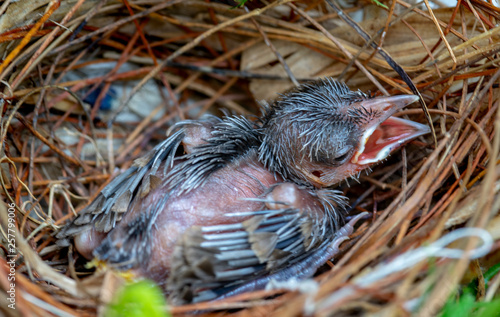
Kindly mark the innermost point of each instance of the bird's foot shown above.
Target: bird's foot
(348, 228)
(343, 233)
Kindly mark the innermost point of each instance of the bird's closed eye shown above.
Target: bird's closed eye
(341, 158)
(343, 154)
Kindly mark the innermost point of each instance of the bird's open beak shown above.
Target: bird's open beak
(386, 133)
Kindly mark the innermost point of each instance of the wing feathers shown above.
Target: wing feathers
(114, 200)
(213, 260)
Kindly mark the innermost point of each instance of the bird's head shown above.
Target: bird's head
(322, 132)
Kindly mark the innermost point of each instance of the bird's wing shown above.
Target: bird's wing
(114, 200)
(228, 139)
(214, 261)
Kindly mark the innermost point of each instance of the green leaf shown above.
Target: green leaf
(460, 307)
(380, 4)
(240, 3)
(488, 309)
(143, 298)
(492, 272)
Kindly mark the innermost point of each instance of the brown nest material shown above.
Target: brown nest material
(71, 72)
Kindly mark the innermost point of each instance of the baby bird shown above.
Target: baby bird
(223, 206)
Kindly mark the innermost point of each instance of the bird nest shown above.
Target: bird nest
(90, 86)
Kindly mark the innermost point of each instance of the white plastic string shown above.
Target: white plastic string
(409, 259)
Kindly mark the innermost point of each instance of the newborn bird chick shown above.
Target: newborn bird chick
(224, 205)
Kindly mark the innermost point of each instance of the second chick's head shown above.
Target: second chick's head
(321, 133)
